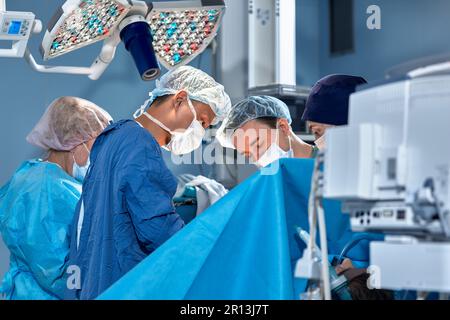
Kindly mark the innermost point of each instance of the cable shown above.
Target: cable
(311, 213)
(429, 183)
(322, 227)
(350, 245)
(324, 249)
(316, 215)
(441, 215)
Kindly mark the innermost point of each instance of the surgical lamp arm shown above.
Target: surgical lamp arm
(94, 71)
(430, 70)
(105, 57)
(52, 69)
(421, 67)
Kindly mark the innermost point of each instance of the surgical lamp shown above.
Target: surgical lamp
(179, 35)
(171, 33)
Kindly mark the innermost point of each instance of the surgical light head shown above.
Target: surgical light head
(179, 35)
(81, 23)
(171, 33)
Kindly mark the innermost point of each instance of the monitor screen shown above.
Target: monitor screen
(14, 27)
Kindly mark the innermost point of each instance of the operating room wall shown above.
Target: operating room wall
(410, 29)
(24, 94)
(308, 41)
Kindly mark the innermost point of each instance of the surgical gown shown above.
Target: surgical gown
(128, 208)
(36, 209)
(244, 247)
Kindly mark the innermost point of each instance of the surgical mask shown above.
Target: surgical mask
(79, 172)
(183, 142)
(274, 153)
(320, 143)
(141, 110)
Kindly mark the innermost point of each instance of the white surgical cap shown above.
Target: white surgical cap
(250, 109)
(198, 85)
(67, 123)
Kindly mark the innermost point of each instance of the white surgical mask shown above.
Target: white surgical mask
(183, 142)
(274, 153)
(79, 172)
(320, 143)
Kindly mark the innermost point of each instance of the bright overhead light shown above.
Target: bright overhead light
(179, 35)
(80, 23)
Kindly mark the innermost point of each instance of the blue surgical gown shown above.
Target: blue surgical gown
(36, 209)
(128, 208)
(244, 247)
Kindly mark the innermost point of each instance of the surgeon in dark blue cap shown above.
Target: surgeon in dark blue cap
(327, 105)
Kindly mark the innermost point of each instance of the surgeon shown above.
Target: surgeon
(126, 210)
(328, 104)
(37, 205)
(259, 128)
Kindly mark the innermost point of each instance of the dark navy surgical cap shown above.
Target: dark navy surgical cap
(329, 99)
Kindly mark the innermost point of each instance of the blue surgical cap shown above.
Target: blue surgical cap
(329, 99)
(250, 109)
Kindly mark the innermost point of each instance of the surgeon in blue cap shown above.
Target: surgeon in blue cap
(328, 104)
(259, 128)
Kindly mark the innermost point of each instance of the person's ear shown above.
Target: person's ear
(180, 98)
(284, 126)
(203, 118)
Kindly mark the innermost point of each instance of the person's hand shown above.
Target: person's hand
(344, 266)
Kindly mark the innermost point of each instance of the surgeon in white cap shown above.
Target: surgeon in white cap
(38, 203)
(127, 210)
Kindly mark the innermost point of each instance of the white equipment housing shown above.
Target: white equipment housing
(381, 166)
(390, 149)
(411, 266)
(16, 27)
(272, 43)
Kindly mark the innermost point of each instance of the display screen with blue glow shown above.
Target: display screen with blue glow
(14, 27)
